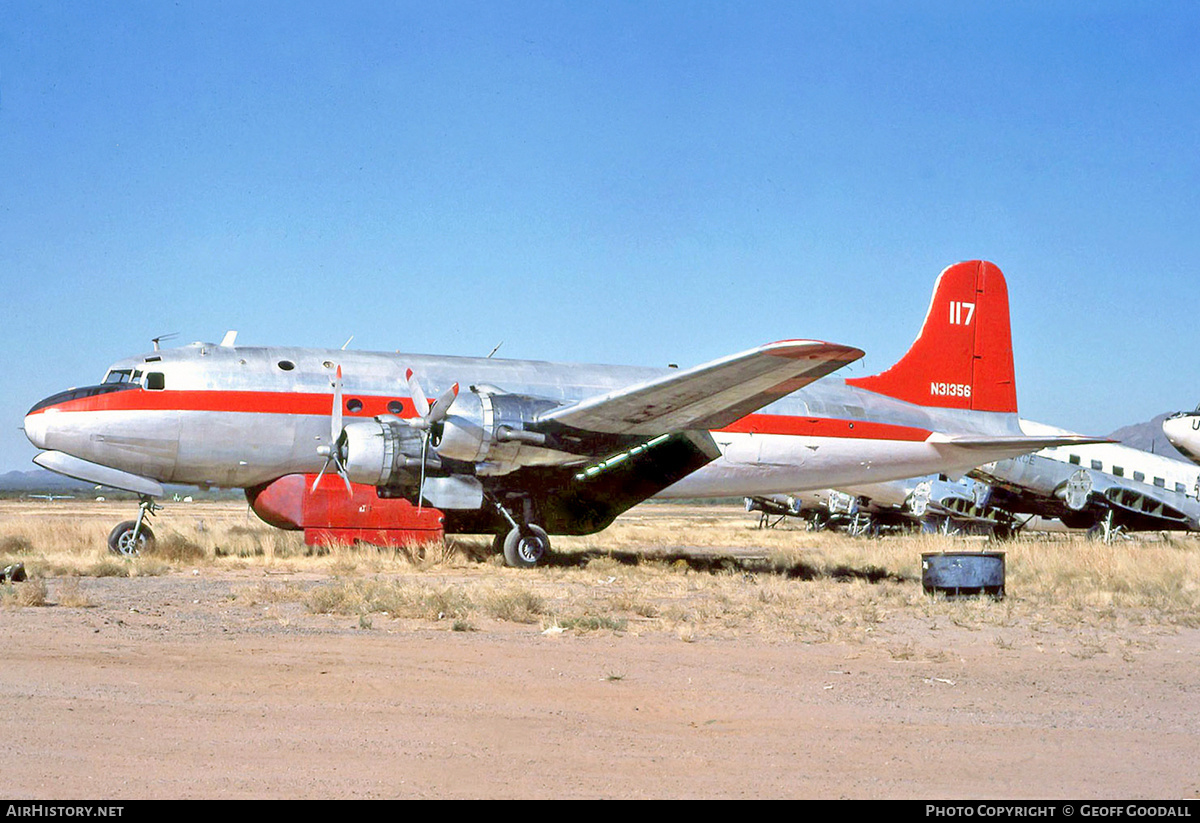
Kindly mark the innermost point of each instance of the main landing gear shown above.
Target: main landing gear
(131, 537)
(1106, 528)
(525, 545)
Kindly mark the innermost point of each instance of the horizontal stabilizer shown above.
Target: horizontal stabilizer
(62, 463)
(1033, 444)
(710, 396)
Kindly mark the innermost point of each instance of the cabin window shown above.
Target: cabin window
(1139, 477)
(1158, 481)
(286, 365)
(155, 381)
(1119, 471)
(354, 405)
(1180, 488)
(1074, 459)
(395, 406)
(1098, 465)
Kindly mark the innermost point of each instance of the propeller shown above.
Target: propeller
(330, 452)
(427, 417)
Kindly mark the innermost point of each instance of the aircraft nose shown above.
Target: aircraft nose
(38, 419)
(35, 428)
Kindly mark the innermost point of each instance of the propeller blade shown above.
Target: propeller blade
(427, 417)
(424, 451)
(441, 406)
(335, 429)
(335, 433)
(420, 400)
(321, 474)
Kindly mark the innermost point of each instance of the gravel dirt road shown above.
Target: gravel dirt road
(179, 687)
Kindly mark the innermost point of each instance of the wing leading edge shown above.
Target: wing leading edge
(709, 396)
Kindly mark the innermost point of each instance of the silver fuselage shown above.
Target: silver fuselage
(231, 416)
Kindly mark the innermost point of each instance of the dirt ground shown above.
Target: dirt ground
(175, 686)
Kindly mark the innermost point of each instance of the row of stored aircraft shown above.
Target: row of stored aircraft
(386, 448)
(1105, 488)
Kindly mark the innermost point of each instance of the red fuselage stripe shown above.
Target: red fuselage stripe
(265, 402)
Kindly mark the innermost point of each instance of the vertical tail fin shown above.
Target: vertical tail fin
(962, 359)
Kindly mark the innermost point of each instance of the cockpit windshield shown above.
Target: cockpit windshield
(123, 376)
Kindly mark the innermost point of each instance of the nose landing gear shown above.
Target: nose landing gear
(131, 537)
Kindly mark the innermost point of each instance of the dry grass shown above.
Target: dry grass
(693, 572)
(31, 592)
(71, 594)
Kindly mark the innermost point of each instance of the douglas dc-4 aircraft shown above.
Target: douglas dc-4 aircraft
(520, 449)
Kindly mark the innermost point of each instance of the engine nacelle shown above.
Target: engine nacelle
(487, 428)
(375, 451)
(484, 429)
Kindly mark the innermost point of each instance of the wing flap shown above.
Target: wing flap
(709, 396)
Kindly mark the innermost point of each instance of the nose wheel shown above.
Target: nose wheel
(131, 537)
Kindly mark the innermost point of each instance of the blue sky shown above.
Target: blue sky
(601, 182)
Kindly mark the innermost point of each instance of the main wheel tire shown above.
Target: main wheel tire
(525, 547)
(120, 539)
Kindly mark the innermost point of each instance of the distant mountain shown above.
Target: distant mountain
(1148, 437)
(40, 480)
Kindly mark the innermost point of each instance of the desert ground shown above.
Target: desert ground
(680, 653)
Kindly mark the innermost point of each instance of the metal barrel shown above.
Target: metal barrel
(963, 574)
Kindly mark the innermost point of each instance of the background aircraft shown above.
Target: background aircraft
(1106, 488)
(931, 502)
(1102, 486)
(529, 448)
(1183, 430)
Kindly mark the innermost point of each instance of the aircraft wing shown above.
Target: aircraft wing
(709, 396)
(1147, 503)
(80, 469)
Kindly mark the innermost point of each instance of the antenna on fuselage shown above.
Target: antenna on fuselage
(161, 337)
(347, 343)
(493, 351)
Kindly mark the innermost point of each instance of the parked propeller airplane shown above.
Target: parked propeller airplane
(530, 447)
(1103, 487)
(1106, 488)
(933, 501)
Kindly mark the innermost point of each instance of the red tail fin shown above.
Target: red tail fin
(962, 359)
